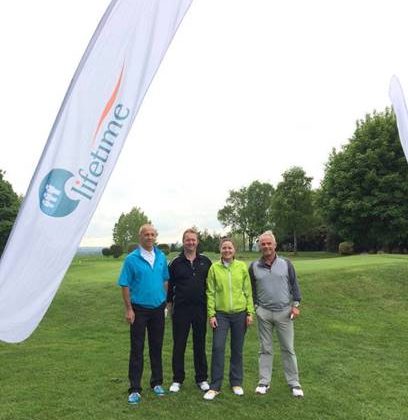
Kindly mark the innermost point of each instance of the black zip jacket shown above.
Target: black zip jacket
(187, 283)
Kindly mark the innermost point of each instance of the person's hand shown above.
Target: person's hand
(294, 313)
(213, 322)
(130, 316)
(249, 320)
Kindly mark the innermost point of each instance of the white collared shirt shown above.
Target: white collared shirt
(149, 256)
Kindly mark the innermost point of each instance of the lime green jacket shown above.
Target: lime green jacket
(229, 288)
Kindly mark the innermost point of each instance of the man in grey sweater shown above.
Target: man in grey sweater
(277, 298)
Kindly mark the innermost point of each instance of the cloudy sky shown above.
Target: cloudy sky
(247, 89)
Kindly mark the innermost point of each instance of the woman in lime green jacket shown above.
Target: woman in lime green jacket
(230, 307)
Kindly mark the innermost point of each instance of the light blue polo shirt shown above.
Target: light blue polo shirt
(146, 283)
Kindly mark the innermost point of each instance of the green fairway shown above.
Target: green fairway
(351, 343)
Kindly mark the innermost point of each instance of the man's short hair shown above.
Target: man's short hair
(267, 233)
(147, 226)
(190, 230)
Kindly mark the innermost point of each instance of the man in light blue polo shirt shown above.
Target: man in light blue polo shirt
(143, 280)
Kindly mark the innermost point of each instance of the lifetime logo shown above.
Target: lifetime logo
(54, 200)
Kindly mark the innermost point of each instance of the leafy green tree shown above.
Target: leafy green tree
(292, 204)
(248, 211)
(233, 214)
(9, 204)
(258, 210)
(365, 188)
(317, 236)
(237, 239)
(126, 230)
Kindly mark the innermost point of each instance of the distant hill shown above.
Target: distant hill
(89, 250)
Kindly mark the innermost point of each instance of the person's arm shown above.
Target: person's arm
(293, 282)
(253, 283)
(211, 298)
(294, 290)
(165, 275)
(247, 286)
(170, 287)
(129, 312)
(124, 281)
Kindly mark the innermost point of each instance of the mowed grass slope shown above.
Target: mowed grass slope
(351, 343)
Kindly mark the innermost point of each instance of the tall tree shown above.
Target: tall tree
(292, 203)
(258, 210)
(248, 211)
(9, 204)
(233, 214)
(126, 229)
(364, 193)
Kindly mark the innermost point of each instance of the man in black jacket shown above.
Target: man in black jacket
(186, 301)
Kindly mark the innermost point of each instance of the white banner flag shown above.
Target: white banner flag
(85, 141)
(400, 108)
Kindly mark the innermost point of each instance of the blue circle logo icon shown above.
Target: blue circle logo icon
(53, 198)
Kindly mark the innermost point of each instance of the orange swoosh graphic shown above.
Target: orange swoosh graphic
(109, 104)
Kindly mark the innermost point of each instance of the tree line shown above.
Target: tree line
(126, 235)
(361, 203)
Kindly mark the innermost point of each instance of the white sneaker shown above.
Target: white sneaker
(297, 392)
(238, 390)
(210, 395)
(175, 387)
(262, 389)
(204, 386)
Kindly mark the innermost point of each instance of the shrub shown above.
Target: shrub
(346, 248)
(165, 248)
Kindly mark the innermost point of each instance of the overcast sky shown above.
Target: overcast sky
(247, 89)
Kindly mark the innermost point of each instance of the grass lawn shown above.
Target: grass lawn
(351, 343)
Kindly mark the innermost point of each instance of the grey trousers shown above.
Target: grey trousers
(268, 321)
(237, 324)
